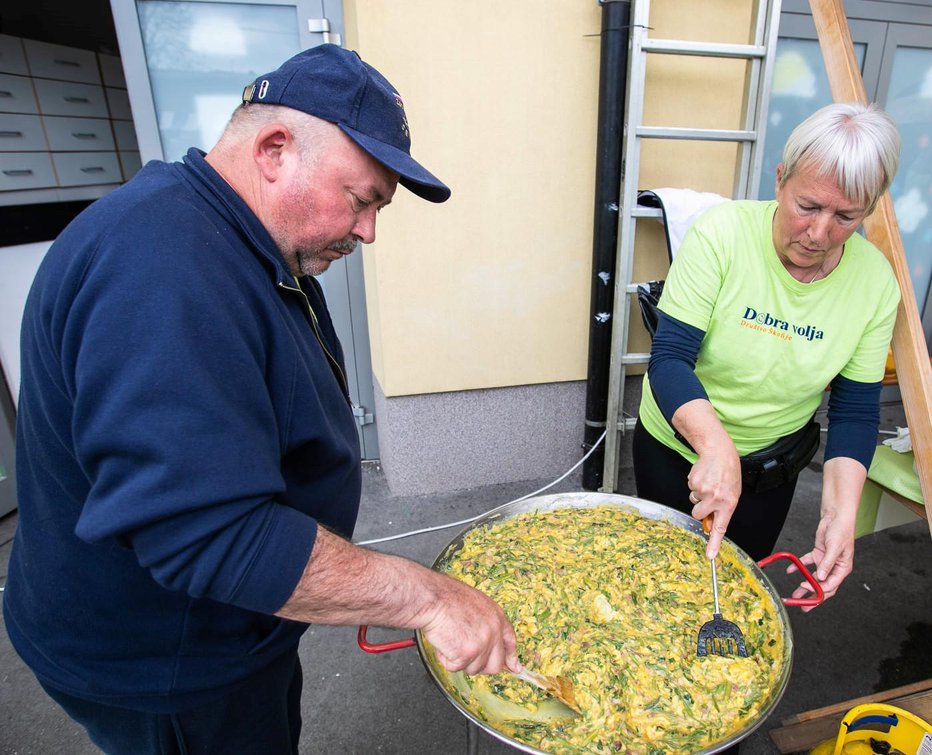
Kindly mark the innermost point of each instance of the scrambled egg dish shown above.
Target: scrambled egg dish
(613, 602)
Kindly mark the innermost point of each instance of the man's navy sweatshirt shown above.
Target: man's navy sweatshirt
(180, 433)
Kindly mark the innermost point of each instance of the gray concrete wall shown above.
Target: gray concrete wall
(452, 441)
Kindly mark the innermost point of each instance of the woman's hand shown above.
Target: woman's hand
(715, 485)
(832, 556)
(715, 479)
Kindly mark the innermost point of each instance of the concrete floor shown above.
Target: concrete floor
(875, 635)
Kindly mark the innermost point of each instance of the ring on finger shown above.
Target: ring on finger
(693, 497)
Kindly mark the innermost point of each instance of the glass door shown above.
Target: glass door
(896, 65)
(800, 84)
(199, 56)
(906, 90)
(186, 63)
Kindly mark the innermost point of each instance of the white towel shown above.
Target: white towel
(680, 208)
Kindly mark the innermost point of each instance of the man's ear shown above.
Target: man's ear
(268, 149)
(779, 176)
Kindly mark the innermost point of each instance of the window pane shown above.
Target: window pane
(800, 87)
(909, 101)
(201, 55)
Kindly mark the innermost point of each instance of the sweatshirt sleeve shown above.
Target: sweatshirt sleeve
(853, 420)
(672, 363)
(173, 422)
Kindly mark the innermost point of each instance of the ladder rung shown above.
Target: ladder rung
(697, 134)
(705, 49)
(640, 211)
(627, 423)
(632, 288)
(636, 358)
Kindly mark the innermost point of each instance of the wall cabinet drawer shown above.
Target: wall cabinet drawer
(26, 170)
(118, 100)
(50, 61)
(21, 133)
(69, 98)
(111, 70)
(78, 134)
(131, 163)
(83, 168)
(12, 57)
(125, 133)
(16, 95)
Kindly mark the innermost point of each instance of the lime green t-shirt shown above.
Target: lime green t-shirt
(772, 344)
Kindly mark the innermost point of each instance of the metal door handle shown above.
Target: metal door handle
(93, 169)
(18, 172)
(83, 100)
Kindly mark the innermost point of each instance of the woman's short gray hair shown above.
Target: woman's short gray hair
(856, 145)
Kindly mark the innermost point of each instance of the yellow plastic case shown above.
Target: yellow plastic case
(881, 729)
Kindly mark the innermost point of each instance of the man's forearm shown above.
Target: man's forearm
(345, 584)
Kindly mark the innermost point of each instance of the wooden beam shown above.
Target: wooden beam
(910, 352)
(886, 696)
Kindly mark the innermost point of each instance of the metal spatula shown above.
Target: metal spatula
(719, 636)
(558, 686)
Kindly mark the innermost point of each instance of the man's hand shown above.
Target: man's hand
(470, 632)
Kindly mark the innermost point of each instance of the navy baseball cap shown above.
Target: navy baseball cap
(336, 85)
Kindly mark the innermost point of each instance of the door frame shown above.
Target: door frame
(7, 448)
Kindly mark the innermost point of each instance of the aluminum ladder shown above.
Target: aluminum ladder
(750, 139)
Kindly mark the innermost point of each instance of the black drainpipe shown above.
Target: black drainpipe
(613, 75)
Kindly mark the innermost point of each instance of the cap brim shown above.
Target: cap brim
(412, 175)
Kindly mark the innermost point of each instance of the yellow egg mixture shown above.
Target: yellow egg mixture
(613, 602)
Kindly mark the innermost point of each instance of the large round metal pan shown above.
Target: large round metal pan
(452, 684)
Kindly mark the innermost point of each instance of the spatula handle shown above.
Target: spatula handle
(707, 528)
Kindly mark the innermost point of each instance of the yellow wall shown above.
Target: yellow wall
(492, 288)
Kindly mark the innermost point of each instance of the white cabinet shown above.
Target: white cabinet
(17, 95)
(26, 170)
(48, 61)
(66, 128)
(21, 133)
(12, 55)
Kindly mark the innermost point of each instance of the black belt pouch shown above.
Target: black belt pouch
(781, 461)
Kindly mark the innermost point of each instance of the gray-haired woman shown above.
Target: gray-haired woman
(766, 304)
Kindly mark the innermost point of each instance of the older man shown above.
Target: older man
(187, 454)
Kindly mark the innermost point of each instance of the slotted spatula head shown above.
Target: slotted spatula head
(719, 637)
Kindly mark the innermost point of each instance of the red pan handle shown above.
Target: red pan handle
(383, 647)
(816, 599)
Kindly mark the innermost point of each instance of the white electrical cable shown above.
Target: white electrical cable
(516, 500)
(479, 516)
